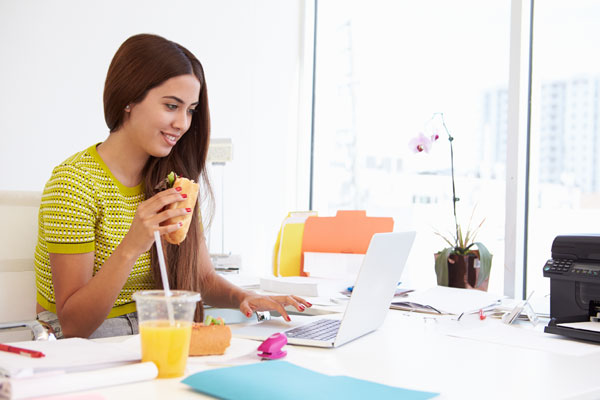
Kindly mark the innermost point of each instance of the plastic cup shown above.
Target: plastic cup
(165, 328)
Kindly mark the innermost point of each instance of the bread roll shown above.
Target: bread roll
(209, 340)
(190, 188)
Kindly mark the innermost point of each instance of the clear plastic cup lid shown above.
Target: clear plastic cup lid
(176, 295)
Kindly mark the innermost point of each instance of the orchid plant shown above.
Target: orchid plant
(460, 244)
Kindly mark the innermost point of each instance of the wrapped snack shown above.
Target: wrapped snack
(188, 187)
(210, 338)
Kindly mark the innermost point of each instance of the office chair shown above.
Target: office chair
(18, 236)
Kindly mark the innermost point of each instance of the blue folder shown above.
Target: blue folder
(283, 380)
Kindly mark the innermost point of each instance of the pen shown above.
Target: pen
(23, 352)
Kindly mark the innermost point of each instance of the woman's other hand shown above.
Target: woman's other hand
(256, 302)
(148, 217)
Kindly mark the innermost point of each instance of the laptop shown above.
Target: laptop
(371, 297)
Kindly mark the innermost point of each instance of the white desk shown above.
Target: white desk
(410, 352)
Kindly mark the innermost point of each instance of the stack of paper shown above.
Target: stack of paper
(57, 382)
(69, 365)
(302, 285)
(74, 354)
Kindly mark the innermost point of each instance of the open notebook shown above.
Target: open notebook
(373, 291)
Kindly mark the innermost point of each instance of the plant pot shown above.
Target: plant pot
(462, 272)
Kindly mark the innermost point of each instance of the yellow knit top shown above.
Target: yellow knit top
(84, 208)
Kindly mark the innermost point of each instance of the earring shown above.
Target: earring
(127, 107)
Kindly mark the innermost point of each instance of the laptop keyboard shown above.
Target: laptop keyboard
(322, 329)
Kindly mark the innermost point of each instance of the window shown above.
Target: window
(383, 68)
(564, 184)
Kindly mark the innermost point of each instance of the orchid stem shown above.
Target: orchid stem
(454, 198)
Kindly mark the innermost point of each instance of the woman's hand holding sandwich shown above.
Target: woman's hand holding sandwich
(151, 215)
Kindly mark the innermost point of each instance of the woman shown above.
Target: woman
(100, 207)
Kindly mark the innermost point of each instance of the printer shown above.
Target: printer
(574, 272)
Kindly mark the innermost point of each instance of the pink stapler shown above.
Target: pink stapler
(271, 348)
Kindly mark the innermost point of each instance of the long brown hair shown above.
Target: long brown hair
(144, 62)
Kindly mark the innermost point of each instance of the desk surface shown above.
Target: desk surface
(415, 352)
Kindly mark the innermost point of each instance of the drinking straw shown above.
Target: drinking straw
(163, 274)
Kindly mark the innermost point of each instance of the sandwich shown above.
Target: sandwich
(210, 338)
(188, 187)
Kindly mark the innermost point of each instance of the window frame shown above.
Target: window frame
(517, 149)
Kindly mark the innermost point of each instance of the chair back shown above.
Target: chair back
(18, 237)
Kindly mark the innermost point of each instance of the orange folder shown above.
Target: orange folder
(349, 231)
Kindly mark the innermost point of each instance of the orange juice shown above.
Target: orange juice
(166, 345)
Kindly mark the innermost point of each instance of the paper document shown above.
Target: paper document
(523, 337)
(584, 325)
(73, 354)
(293, 381)
(449, 300)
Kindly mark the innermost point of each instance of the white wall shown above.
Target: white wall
(54, 60)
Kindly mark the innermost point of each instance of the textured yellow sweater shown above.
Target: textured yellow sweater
(85, 209)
